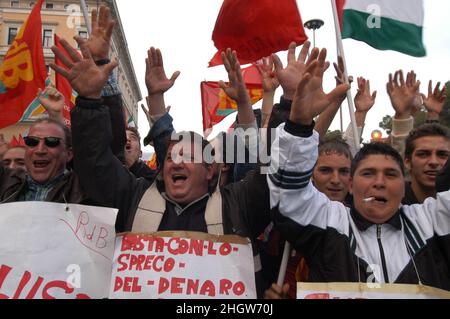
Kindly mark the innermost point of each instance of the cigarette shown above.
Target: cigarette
(369, 199)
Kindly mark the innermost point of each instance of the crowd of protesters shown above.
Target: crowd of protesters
(342, 209)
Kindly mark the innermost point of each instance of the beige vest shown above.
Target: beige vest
(152, 206)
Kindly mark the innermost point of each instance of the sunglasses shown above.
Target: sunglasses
(49, 141)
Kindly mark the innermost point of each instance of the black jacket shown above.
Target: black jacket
(140, 169)
(339, 245)
(245, 204)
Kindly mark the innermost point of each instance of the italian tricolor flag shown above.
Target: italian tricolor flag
(384, 24)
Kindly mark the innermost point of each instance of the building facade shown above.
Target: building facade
(65, 18)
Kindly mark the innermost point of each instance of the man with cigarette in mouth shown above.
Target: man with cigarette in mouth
(376, 237)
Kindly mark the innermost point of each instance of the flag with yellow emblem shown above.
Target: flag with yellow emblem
(23, 71)
(216, 105)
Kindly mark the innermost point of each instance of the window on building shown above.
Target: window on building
(14, 3)
(48, 5)
(12, 32)
(47, 38)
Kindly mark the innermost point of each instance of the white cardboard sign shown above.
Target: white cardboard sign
(48, 251)
(182, 265)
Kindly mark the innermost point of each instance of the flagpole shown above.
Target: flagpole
(284, 263)
(86, 16)
(340, 47)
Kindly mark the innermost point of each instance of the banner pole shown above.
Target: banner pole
(284, 263)
(340, 47)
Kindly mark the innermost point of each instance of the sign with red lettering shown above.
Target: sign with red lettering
(50, 250)
(368, 290)
(182, 265)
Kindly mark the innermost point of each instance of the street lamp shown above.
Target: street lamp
(314, 25)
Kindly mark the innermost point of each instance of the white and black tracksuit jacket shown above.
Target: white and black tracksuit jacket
(337, 242)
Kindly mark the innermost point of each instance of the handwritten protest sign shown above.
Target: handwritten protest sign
(182, 265)
(49, 252)
(368, 291)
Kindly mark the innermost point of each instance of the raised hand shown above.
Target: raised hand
(146, 112)
(268, 76)
(411, 79)
(100, 38)
(340, 78)
(310, 100)
(434, 102)
(53, 102)
(235, 89)
(155, 75)
(83, 74)
(363, 99)
(402, 94)
(290, 76)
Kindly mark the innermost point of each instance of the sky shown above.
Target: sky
(183, 30)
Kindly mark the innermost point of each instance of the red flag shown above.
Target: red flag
(216, 105)
(14, 142)
(63, 86)
(251, 75)
(21, 140)
(23, 71)
(256, 28)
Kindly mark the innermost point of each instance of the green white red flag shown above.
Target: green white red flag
(384, 24)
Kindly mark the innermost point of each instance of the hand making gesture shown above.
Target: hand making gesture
(236, 89)
(402, 94)
(99, 40)
(310, 99)
(53, 102)
(290, 76)
(83, 74)
(435, 100)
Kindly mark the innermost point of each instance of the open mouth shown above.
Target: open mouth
(380, 199)
(178, 179)
(41, 163)
(128, 147)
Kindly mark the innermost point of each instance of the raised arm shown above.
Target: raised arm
(53, 102)
(434, 102)
(101, 174)
(270, 84)
(293, 158)
(99, 44)
(157, 82)
(236, 89)
(364, 101)
(404, 99)
(290, 76)
(326, 117)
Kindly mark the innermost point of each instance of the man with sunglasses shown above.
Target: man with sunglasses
(47, 152)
